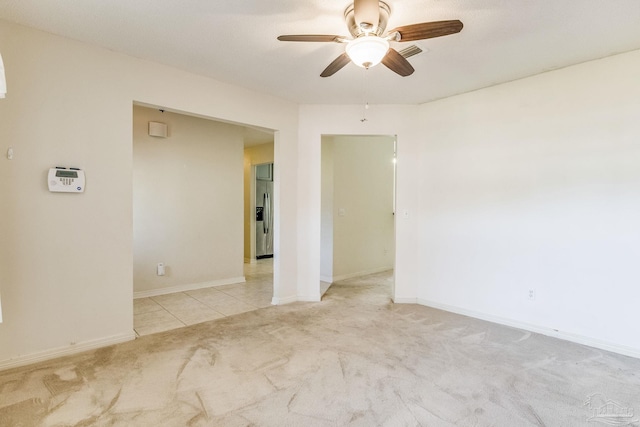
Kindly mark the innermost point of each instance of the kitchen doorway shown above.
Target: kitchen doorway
(264, 210)
(259, 213)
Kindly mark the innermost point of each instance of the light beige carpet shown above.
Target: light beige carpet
(352, 359)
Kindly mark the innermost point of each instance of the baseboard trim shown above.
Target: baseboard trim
(310, 298)
(282, 301)
(358, 274)
(567, 336)
(406, 300)
(69, 350)
(250, 261)
(326, 279)
(189, 287)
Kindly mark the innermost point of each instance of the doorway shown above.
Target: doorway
(357, 210)
(259, 168)
(188, 222)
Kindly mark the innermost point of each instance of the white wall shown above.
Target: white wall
(187, 203)
(66, 269)
(535, 184)
(256, 155)
(362, 205)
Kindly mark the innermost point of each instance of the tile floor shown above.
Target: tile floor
(165, 312)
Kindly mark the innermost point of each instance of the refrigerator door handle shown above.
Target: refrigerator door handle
(270, 219)
(264, 220)
(267, 207)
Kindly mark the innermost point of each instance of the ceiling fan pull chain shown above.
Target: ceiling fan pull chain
(366, 96)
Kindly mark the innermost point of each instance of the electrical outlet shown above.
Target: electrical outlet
(532, 294)
(160, 269)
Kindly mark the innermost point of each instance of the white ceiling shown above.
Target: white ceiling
(235, 41)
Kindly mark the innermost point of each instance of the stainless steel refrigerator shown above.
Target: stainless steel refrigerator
(264, 211)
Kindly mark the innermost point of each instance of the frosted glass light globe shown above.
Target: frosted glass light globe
(367, 51)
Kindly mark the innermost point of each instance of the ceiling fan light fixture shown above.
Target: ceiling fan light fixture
(367, 51)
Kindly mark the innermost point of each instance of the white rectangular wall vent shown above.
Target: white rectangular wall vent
(158, 129)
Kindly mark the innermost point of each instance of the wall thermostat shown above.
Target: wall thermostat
(66, 180)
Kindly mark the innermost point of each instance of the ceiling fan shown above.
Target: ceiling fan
(367, 22)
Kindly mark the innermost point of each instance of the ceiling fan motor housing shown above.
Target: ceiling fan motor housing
(377, 28)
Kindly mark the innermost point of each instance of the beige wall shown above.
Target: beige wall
(66, 264)
(256, 155)
(535, 184)
(187, 203)
(361, 205)
(326, 210)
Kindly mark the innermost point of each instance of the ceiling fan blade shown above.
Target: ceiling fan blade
(311, 38)
(397, 63)
(427, 30)
(336, 65)
(367, 11)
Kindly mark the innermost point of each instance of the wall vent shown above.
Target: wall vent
(410, 51)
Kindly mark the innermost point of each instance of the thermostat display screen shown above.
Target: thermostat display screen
(66, 174)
